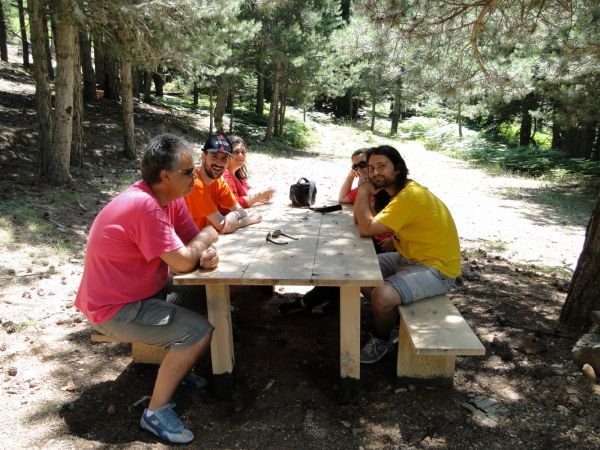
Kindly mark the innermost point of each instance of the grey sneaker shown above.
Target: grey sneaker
(165, 424)
(375, 349)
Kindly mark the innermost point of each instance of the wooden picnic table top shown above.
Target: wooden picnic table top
(329, 252)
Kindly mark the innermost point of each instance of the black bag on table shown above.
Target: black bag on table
(303, 192)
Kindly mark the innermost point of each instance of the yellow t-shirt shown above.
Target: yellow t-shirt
(424, 230)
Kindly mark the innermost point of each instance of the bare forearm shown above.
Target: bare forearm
(346, 188)
(362, 212)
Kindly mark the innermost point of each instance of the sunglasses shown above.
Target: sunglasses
(276, 234)
(187, 172)
(360, 165)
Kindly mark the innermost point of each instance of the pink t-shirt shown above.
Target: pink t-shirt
(352, 195)
(240, 188)
(122, 263)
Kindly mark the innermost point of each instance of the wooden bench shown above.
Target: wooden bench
(140, 353)
(432, 334)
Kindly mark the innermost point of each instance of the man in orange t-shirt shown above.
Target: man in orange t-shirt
(211, 192)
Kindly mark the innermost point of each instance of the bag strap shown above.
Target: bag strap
(326, 209)
(302, 180)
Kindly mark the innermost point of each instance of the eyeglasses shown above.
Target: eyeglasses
(360, 165)
(276, 234)
(187, 172)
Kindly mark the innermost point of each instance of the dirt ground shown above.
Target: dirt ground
(59, 390)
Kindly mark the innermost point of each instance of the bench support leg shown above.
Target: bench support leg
(349, 343)
(219, 315)
(412, 367)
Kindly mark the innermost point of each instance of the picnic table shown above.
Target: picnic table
(328, 252)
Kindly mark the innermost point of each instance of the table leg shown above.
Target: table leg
(221, 346)
(349, 339)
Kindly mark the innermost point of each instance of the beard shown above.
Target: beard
(211, 173)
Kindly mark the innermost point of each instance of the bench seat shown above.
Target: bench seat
(140, 353)
(432, 334)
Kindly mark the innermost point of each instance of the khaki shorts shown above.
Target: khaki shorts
(160, 321)
(411, 280)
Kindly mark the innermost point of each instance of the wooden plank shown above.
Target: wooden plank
(291, 263)
(436, 327)
(350, 332)
(343, 257)
(219, 315)
(97, 337)
(147, 354)
(412, 365)
(236, 251)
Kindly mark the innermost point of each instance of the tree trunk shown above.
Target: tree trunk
(58, 167)
(584, 292)
(127, 104)
(99, 62)
(459, 119)
(112, 83)
(373, 101)
(282, 105)
(260, 87)
(211, 119)
(526, 125)
(397, 107)
(137, 81)
(43, 95)
(3, 43)
(220, 106)
(76, 158)
(232, 104)
(23, 33)
(147, 85)
(274, 99)
(159, 83)
(47, 45)
(196, 92)
(89, 79)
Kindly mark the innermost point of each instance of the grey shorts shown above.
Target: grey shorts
(160, 320)
(411, 280)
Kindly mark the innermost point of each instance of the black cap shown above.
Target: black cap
(218, 143)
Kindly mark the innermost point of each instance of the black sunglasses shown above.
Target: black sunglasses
(187, 172)
(360, 165)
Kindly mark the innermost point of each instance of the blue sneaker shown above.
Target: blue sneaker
(165, 424)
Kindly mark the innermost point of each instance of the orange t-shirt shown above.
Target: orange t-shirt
(206, 200)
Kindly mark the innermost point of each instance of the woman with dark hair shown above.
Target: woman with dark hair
(236, 176)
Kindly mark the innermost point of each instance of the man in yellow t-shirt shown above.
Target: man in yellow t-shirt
(426, 260)
(211, 191)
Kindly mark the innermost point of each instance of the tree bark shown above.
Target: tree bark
(89, 78)
(526, 121)
(373, 101)
(62, 133)
(196, 92)
(397, 107)
(211, 120)
(260, 87)
(99, 62)
(147, 85)
(3, 42)
(127, 104)
(23, 33)
(47, 45)
(231, 102)
(274, 99)
(76, 158)
(112, 83)
(584, 292)
(159, 83)
(220, 104)
(459, 119)
(43, 95)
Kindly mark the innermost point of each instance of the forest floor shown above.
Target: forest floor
(59, 390)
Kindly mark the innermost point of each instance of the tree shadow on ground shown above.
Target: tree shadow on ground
(551, 206)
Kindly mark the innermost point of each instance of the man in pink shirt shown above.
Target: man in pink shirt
(135, 242)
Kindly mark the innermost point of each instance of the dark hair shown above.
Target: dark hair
(242, 172)
(394, 156)
(360, 151)
(162, 153)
